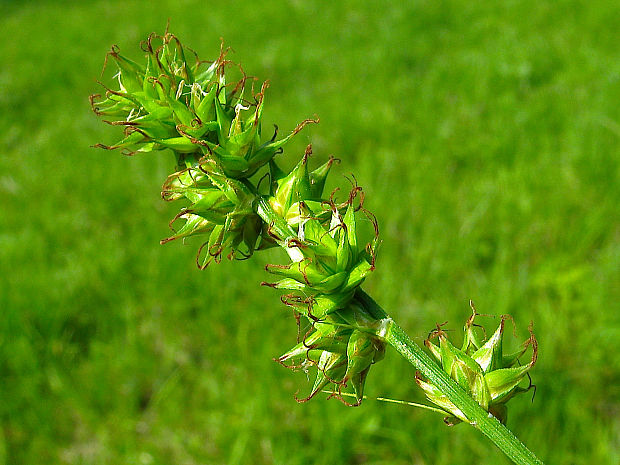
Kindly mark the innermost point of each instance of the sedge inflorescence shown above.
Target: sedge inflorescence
(238, 200)
(213, 126)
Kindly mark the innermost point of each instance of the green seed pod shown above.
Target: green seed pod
(481, 369)
(179, 102)
(324, 338)
(330, 367)
(362, 351)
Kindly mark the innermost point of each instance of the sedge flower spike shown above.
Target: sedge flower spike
(321, 237)
(179, 102)
(343, 346)
(211, 122)
(480, 367)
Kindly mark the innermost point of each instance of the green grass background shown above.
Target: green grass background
(487, 137)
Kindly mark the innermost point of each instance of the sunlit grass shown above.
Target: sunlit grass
(496, 130)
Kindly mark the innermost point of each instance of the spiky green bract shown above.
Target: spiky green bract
(175, 101)
(481, 368)
(342, 347)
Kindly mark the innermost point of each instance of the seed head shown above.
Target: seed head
(342, 347)
(176, 101)
(327, 263)
(481, 368)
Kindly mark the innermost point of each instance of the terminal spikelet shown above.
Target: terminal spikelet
(176, 101)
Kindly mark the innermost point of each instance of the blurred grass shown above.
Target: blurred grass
(487, 138)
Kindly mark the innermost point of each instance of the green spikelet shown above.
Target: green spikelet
(320, 236)
(178, 102)
(220, 208)
(343, 348)
(481, 368)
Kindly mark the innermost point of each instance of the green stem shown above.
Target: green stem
(397, 338)
(391, 401)
(485, 422)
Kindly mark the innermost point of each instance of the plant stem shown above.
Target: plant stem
(392, 401)
(482, 420)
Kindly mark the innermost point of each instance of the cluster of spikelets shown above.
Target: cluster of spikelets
(327, 267)
(321, 238)
(213, 127)
(187, 106)
(220, 208)
(481, 368)
(342, 347)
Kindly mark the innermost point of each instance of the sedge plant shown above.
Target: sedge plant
(238, 199)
